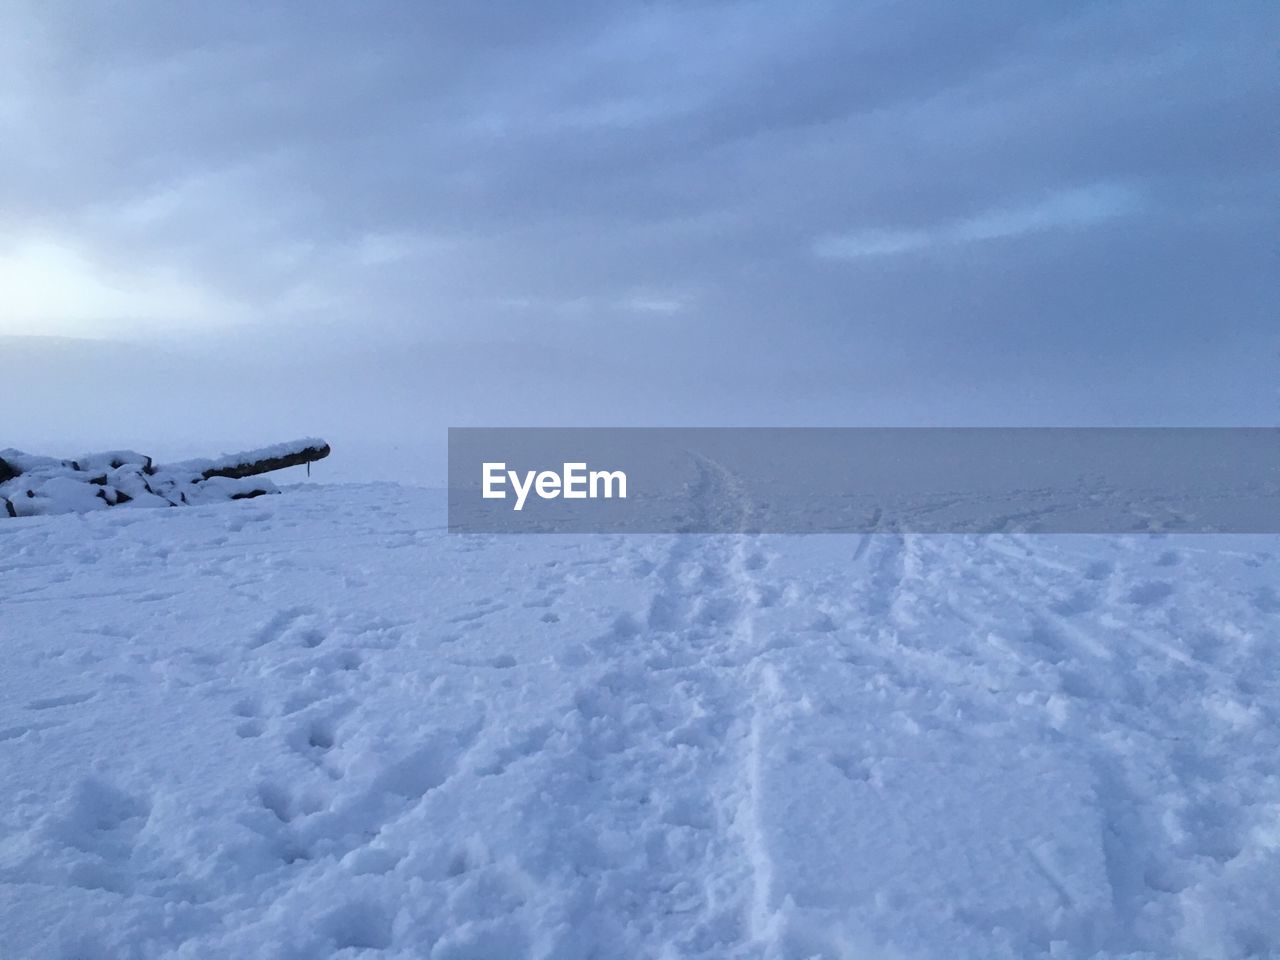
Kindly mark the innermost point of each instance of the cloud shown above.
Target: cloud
(1068, 209)
(53, 290)
(647, 304)
(593, 308)
(643, 183)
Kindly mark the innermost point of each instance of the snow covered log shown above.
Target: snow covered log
(34, 486)
(252, 463)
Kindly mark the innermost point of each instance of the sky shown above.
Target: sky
(225, 225)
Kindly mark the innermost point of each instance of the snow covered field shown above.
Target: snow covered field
(317, 725)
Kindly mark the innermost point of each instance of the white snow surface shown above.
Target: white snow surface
(318, 725)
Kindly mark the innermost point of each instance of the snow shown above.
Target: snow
(317, 725)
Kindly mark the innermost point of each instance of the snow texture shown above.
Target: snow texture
(319, 726)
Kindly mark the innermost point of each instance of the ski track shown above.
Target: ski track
(320, 726)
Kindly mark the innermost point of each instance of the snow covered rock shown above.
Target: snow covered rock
(34, 486)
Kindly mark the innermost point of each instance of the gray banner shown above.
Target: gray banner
(858, 480)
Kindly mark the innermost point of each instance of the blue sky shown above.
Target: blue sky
(236, 222)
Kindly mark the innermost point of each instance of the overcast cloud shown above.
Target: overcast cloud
(232, 223)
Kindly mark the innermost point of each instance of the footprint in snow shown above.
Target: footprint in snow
(856, 769)
(18, 732)
(250, 725)
(1265, 600)
(310, 638)
(284, 806)
(65, 700)
(1150, 593)
(358, 926)
(314, 736)
(1080, 601)
(1098, 570)
(277, 626)
(103, 821)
